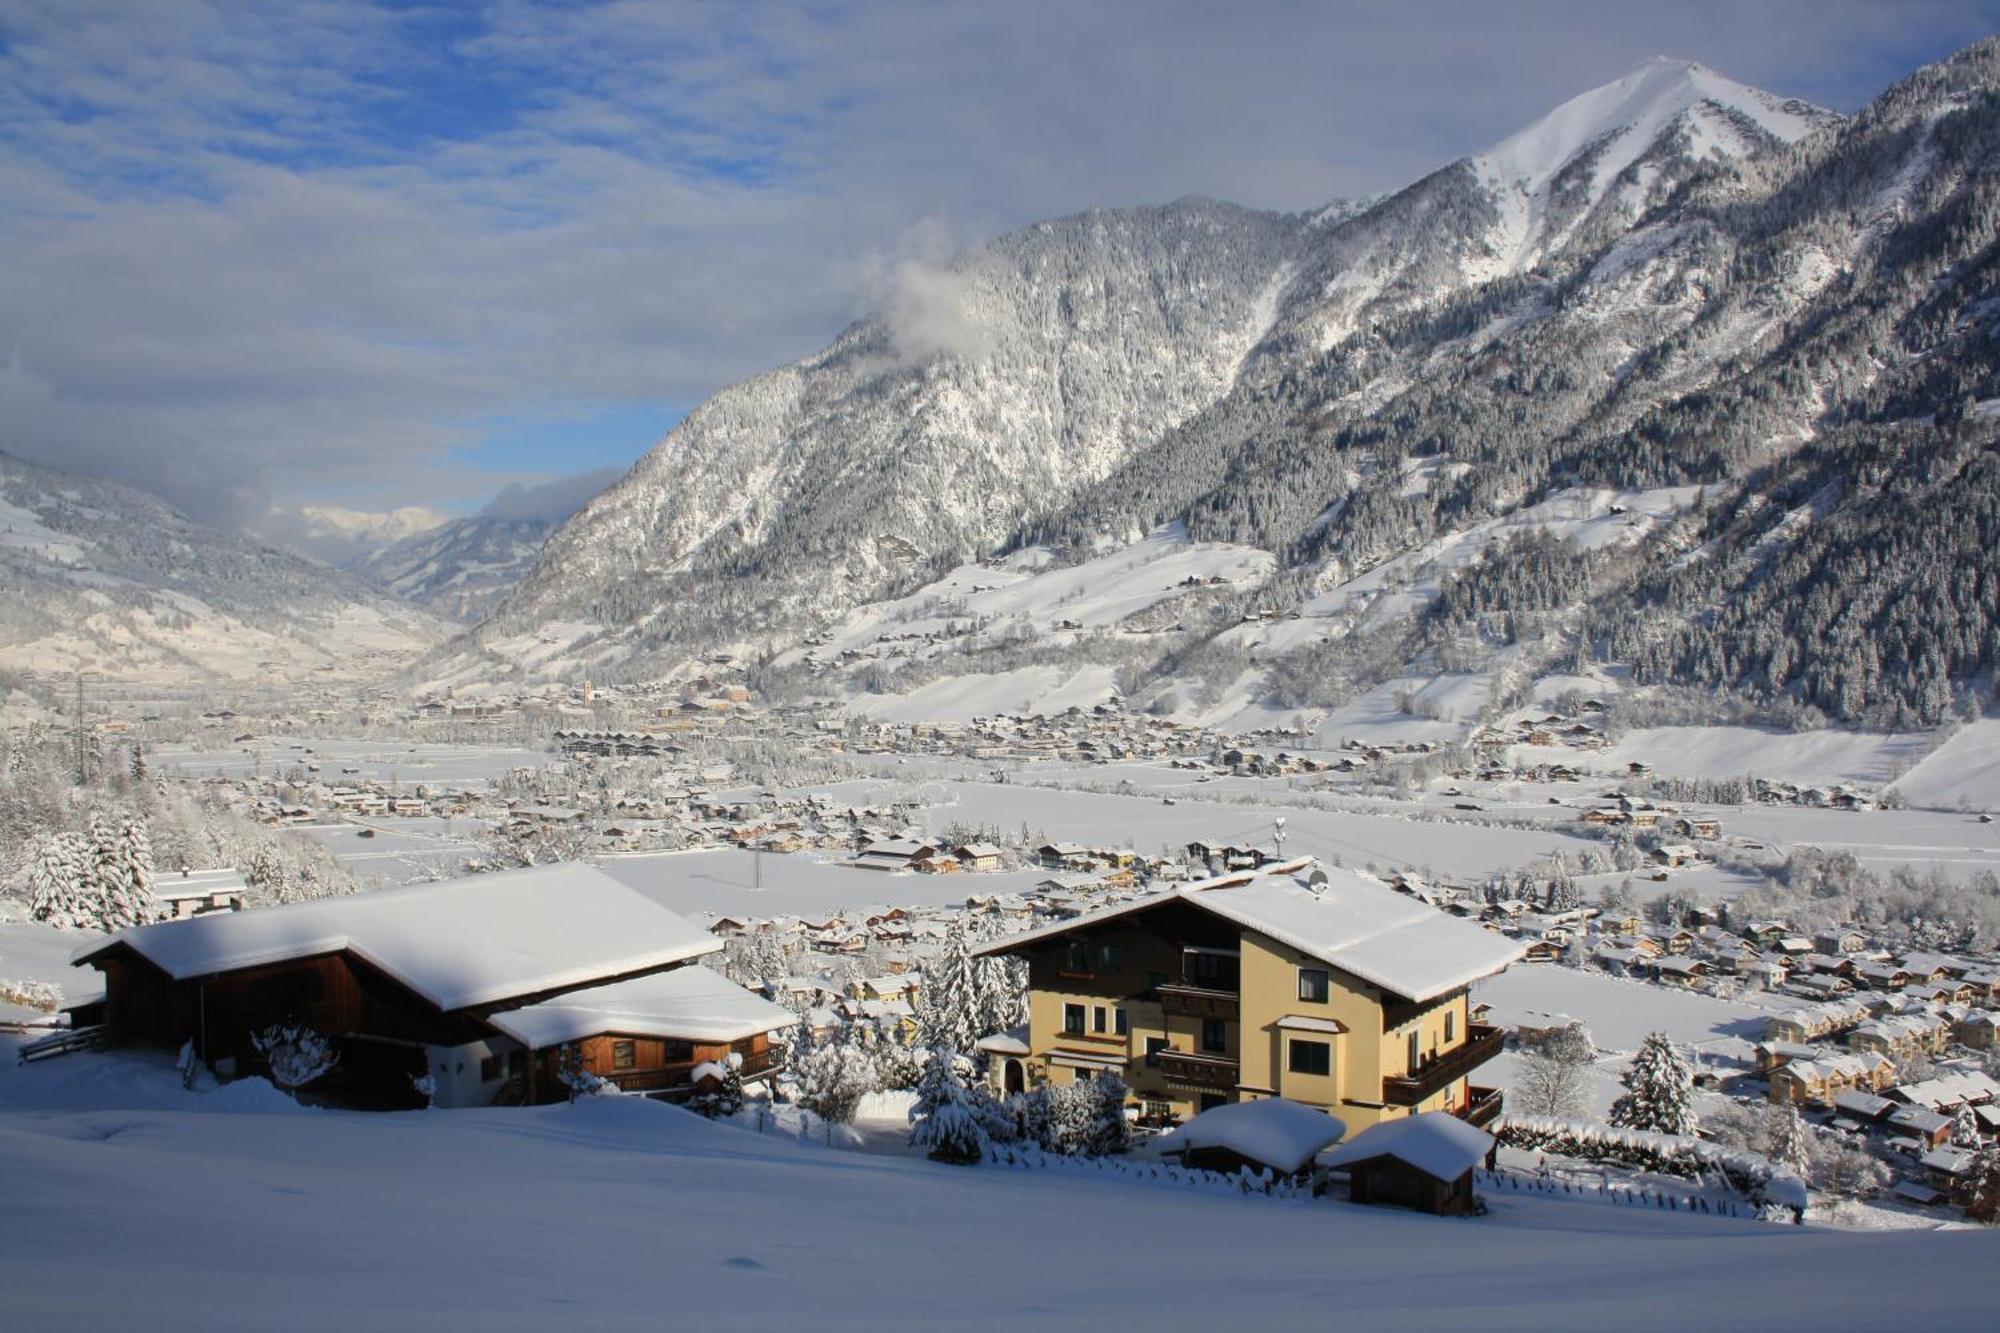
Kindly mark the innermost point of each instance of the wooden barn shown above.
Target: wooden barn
(415, 982)
(1423, 1162)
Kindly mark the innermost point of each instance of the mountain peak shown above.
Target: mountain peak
(1631, 112)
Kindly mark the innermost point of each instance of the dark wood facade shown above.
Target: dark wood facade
(648, 1065)
(1395, 1183)
(336, 994)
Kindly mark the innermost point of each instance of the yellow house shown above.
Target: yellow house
(1324, 987)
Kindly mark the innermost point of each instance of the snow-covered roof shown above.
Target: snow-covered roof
(1014, 1041)
(1283, 1135)
(1352, 922)
(199, 883)
(464, 942)
(691, 1003)
(1441, 1146)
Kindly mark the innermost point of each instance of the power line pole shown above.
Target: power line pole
(82, 776)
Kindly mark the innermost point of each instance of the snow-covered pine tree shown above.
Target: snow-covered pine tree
(1110, 1132)
(63, 890)
(1787, 1141)
(943, 1121)
(948, 1004)
(833, 1077)
(1659, 1090)
(1965, 1128)
(940, 1064)
(266, 873)
(130, 896)
(1072, 1107)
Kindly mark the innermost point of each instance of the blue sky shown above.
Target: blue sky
(409, 253)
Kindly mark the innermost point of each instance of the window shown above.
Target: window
(1084, 1076)
(1121, 1023)
(624, 1054)
(1313, 984)
(1311, 1057)
(1109, 955)
(1099, 1019)
(1077, 957)
(489, 1069)
(1414, 1055)
(1154, 1045)
(1450, 1026)
(679, 1052)
(1214, 1035)
(1073, 1018)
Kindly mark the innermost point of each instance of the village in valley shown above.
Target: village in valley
(1036, 941)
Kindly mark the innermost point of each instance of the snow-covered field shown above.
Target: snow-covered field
(434, 763)
(1820, 758)
(725, 880)
(1964, 772)
(1147, 823)
(131, 1203)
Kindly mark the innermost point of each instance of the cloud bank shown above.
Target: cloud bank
(262, 252)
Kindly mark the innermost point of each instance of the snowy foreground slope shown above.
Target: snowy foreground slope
(243, 1212)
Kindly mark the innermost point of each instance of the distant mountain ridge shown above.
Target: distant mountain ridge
(100, 577)
(1761, 323)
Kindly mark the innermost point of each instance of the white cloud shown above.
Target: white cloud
(295, 250)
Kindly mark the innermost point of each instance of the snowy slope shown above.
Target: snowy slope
(226, 1210)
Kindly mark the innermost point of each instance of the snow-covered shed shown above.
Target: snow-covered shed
(1274, 1134)
(1423, 1162)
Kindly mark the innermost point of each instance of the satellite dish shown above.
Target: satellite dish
(1317, 879)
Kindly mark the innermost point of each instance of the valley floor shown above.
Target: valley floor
(131, 1202)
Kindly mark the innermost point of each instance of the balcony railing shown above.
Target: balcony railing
(1482, 1107)
(1482, 1043)
(1197, 1069)
(677, 1077)
(1191, 1001)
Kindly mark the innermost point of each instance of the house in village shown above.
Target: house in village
(491, 986)
(1323, 987)
(977, 856)
(1816, 1082)
(892, 854)
(198, 892)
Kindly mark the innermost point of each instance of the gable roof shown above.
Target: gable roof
(1436, 1143)
(1283, 1135)
(1351, 922)
(691, 1003)
(464, 942)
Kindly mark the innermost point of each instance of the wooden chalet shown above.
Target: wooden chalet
(452, 981)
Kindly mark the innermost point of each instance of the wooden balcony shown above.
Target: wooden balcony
(1190, 1001)
(1482, 1108)
(675, 1079)
(1198, 1069)
(1481, 1044)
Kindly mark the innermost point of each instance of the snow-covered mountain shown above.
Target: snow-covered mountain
(463, 567)
(339, 536)
(100, 577)
(1674, 296)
